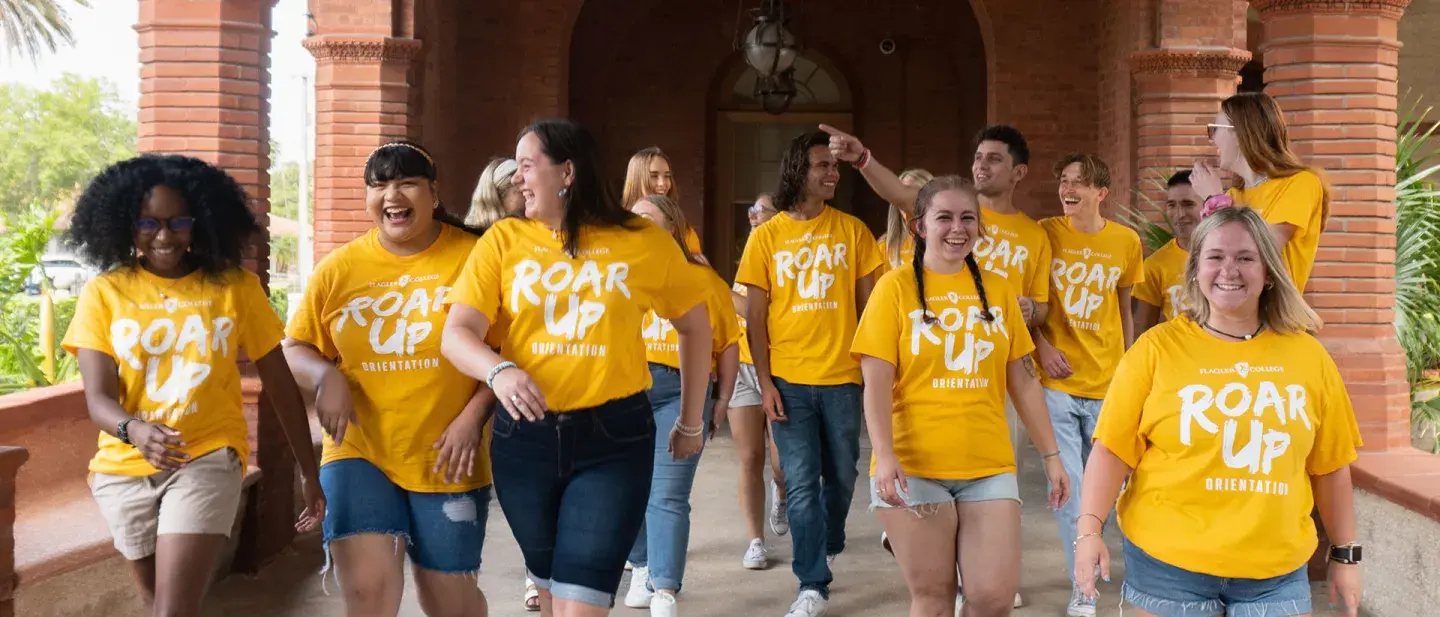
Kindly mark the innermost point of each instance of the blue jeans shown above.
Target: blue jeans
(665, 536)
(819, 444)
(444, 532)
(573, 487)
(1164, 590)
(1073, 419)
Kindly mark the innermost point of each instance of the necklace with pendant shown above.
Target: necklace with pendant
(1236, 336)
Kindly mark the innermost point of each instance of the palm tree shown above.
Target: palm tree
(30, 27)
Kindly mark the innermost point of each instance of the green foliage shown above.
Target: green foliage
(280, 301)
(1153, 235)
(21, 246)
(24, 241)
(285, 190)
(31, 27)
(1417, 263)
(56, 140)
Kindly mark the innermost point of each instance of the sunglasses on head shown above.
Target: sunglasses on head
(758, 209)
(150, 226)
(1211, 128)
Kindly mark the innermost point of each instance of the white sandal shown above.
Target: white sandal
(531, 594)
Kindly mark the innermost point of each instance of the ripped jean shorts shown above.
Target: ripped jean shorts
(441, 532)
(925, 491)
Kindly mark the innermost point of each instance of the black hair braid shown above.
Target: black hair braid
(919, 265)
(979, 286)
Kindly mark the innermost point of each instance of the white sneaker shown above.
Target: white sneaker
(663, 605)
(809, 604)
(779, 524)
(756, 557)
(1018, 601)
(639, 596)
(1080, 606)
(629, 566)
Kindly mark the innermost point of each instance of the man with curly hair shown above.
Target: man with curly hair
(809, 272)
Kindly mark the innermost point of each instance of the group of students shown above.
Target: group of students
(591, 337)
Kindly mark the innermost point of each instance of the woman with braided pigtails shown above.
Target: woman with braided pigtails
(938, 359)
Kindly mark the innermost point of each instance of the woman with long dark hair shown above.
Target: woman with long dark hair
(562, 293)
(402, 463)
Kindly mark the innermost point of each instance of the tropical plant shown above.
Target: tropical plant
(1152, 233)
(22, 362)
(1417, 264)
(30, 27)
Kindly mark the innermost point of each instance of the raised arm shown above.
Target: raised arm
(884, 182)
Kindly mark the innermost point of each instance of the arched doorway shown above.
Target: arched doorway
(748, 143)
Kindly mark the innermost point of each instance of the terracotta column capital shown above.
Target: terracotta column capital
(362, 49)
(1387, 8)
(1209, 62)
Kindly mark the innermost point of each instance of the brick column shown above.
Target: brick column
(11, 458)
(1177, 92)
(204, 92)
(363, 87)
(1331, 64)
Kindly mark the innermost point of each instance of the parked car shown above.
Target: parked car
(66, 274)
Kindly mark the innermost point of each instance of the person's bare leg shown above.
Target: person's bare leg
(572, 608)
(747, 426)
(183, 565)
(777, 473)
(924, 548)
(371, 570)
(143, 570)
(449, 595)
(990, 559)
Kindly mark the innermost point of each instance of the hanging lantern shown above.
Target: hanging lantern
(769, 47)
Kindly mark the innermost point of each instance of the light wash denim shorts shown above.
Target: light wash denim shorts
(1164, 590)
(925, 491)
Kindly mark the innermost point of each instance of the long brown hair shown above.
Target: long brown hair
(922, 203)
(637, 177)
(678, 225)
(1264, 141)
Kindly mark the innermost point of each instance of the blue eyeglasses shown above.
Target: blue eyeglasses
(179, 225)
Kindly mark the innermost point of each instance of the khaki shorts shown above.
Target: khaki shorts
(201, 498)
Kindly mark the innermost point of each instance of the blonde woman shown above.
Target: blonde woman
(649, 173)
(1232, 423)
(1253, 143)
(899, 247)
(658, 556)
(496, 196)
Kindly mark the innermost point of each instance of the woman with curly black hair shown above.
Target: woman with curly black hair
(402, 459)
(157, 336)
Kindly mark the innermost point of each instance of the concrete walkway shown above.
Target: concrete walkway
(866, 579)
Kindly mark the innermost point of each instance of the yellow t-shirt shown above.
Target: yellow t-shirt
(176, 342)
(575, 323)
(1164, 279)
(379, 315)
(1084, 321)
(1295, 200)
(1017, 249)
(949, 406)
(907, 254)
(810, 269)
(692, 240)
(662, 342)
(1224, 437)
(745, 357)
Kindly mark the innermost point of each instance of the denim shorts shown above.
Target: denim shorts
(924, 491)
(1167, 591)
(574, 488)
(444, 531)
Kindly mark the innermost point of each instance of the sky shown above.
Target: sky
(106, 45)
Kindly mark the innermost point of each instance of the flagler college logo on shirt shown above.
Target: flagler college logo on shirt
(1254, 422)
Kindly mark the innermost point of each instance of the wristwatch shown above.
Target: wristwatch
(1348, 554)
(122, 431)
